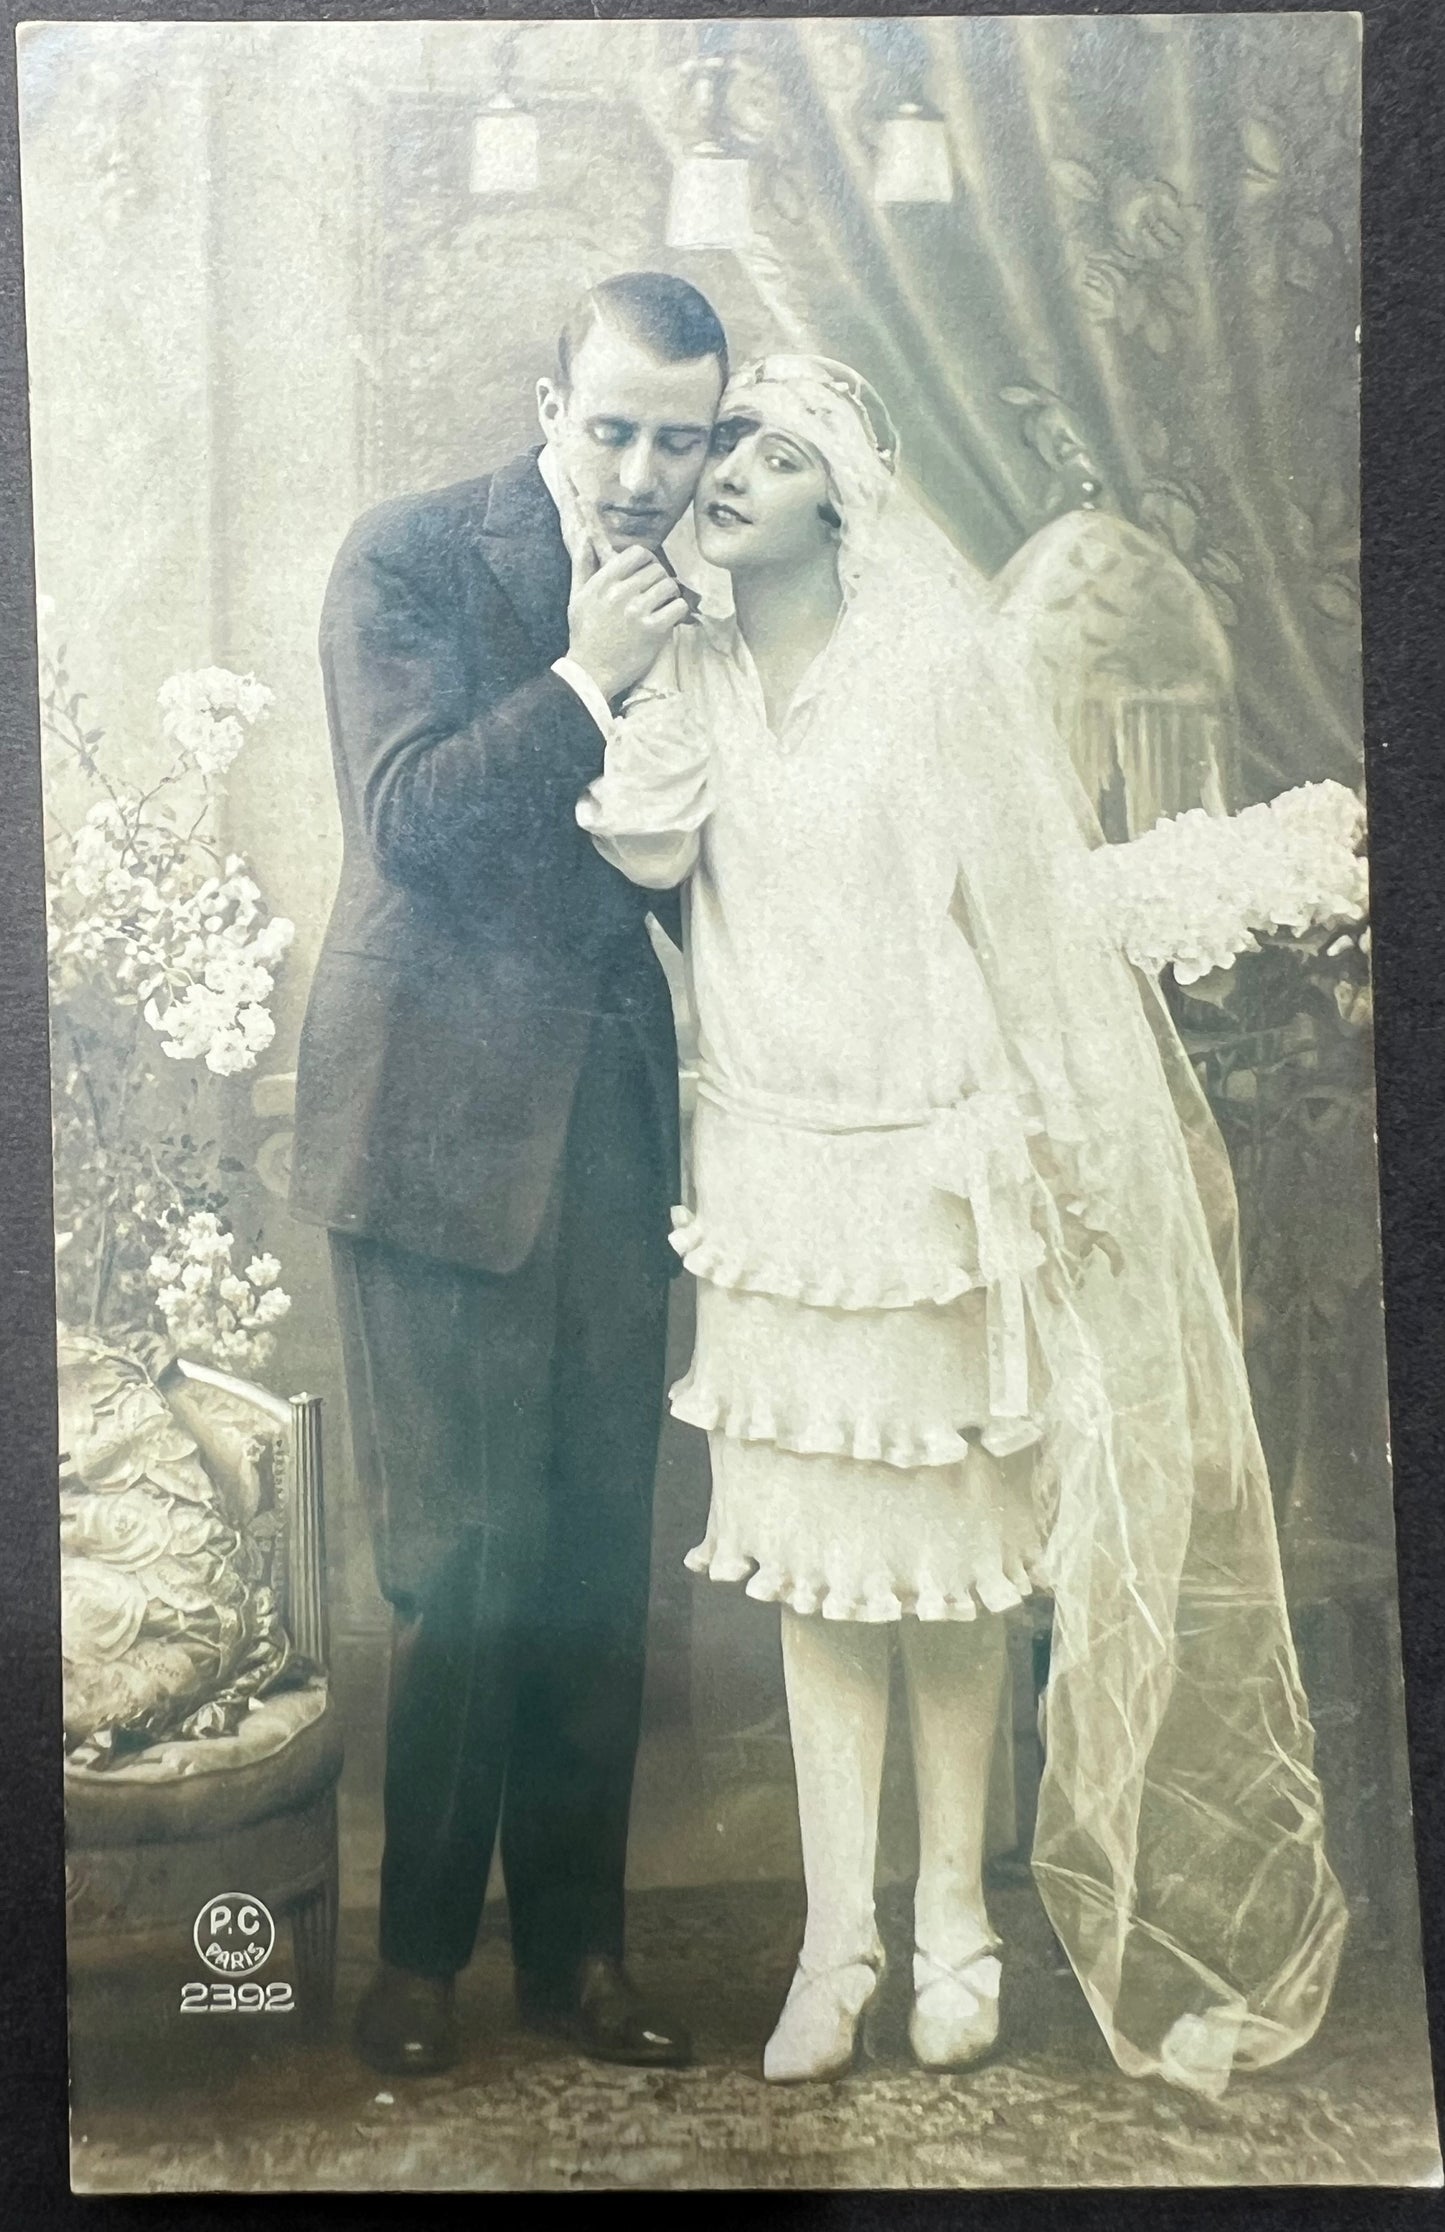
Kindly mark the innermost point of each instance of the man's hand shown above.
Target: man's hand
(623, 609)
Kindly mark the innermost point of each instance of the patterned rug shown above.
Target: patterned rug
(228, 2103)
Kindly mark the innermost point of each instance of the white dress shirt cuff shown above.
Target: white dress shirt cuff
(577, 678)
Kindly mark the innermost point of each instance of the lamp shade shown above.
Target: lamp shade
(504, 150)
(712, 201)
(914, 163)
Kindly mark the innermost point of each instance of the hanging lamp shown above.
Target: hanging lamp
(505, 147)
(913, 162)
(912, 158)
(711, 203)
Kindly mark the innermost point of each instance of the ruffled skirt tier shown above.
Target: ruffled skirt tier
(852, 1540)
(841, 1373)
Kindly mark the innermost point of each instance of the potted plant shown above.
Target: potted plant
(162, 962)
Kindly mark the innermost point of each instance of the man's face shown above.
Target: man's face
(632, 434)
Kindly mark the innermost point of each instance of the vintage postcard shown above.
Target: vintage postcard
(723, 1469)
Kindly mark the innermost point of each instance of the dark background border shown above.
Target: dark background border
(1404, 584)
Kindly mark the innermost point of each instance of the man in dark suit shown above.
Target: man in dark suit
(486, 1122)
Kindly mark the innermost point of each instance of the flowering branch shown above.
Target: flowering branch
(210, 1306)
(152, 930)
(193, 951)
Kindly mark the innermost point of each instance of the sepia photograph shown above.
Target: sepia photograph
(723, 1463)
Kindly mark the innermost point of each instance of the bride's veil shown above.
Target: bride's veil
(1180, 1847)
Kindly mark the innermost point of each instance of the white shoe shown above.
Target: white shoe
(955, 2009)
(817, 2032)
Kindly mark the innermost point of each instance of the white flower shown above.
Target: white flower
(209, 1308)
(1193, 892)
(221, 978)
(253, 698)
(196, 955)
(206, 712)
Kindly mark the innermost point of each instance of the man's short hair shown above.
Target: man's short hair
(664, 315)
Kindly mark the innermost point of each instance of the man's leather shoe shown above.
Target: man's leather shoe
(406, 2024)
(604, 2014)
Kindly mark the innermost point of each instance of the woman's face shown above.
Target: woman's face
(762, 498)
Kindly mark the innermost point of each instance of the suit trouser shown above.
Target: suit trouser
(505, 1431)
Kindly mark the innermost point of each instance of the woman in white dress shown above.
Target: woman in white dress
(961, 1230)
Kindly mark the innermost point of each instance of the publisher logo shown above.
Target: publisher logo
(234, 1934)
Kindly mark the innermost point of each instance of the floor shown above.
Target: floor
(225, 2103)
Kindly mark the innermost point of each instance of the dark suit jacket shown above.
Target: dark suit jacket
(476, 932)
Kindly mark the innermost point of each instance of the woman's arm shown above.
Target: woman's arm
(646, 810)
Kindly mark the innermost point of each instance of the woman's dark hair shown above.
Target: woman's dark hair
(664, 315)
(732, 428)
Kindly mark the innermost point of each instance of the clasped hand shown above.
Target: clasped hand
(622, 610)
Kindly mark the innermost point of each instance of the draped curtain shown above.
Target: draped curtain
(1143, 294)
(1147, 280)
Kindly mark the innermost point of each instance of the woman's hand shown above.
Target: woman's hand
(1082, 1241)
(1073, 1237)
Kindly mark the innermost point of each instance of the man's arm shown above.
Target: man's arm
(448, 795)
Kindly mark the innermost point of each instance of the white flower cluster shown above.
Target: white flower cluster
(1194, 892)
(206, 712)
(198, 955)
(219, 975)
(212, 1310)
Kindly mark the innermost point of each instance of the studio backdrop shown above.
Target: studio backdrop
(281, 272)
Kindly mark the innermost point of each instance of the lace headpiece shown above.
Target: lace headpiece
(816, 384)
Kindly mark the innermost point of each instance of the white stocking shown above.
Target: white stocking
(837, 1682)
(955, 1674)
